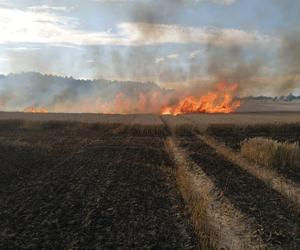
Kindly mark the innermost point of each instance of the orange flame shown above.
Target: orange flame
(221, 100)
(35, 110)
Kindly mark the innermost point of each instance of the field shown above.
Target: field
(92, 181)
(269, 106)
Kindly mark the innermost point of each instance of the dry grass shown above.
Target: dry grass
(147, 119)
(218, 224)
(72, 127)
(144, 119)
(287, 188)
(271, 153)
(174, 121)
(178, 125)
(203, 121)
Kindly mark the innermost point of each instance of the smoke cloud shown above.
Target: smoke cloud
(152, 46)
(64, 94)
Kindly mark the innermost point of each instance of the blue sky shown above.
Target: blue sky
(170, 42)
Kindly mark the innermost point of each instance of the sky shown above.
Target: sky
(175, 43)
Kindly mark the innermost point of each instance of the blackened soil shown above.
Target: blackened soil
(273, 217)
(89, 191)
(232, 136)
(291, 173)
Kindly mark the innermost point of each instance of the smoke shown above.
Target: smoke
(290, 54)
(194, 70)
(157, 12)
(289, 51)
(232, 65)
(290, 61)
(64, 94)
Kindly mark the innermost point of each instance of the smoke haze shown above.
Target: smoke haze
(185, 45)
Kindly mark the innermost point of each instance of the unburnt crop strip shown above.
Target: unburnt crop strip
(269, 176)
(275, 220)
(233, 135)
(218, 224)
(271, 153)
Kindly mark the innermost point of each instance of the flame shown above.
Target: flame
(221, 100)
(35, 110)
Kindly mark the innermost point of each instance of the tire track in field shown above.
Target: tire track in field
(219, 225)
(269, 211)
(279, 183)
(233, 135)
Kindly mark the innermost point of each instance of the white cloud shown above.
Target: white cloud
(173, 56)
(4, 3)
(225, 2)
(195, 53)
(159, 60)
(67, 46)
(19, 26)
(196, 35)
(50, 8)
(4, 59)
(23, 48)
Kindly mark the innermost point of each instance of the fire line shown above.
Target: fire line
(220, 100)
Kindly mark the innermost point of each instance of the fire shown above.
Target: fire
(221, 100)
(35, 110)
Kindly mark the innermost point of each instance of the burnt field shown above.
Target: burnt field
(272, 216)
(88, 187)
(234, 135)
(144, 182)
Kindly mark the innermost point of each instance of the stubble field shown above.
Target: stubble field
(145, 181)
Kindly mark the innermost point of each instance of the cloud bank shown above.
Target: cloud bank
(31, 26)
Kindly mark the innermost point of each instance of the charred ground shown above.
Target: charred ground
(113, 182)
(72, 185)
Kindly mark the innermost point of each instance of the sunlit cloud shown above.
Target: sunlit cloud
(173, 56)
(159, 60)
(28, 26)
(4, 59)
(23, 48)
(195, 53)
(224, 2)
(51, 8)
(162, 33)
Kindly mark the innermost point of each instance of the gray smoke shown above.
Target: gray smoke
(290, 61)
(289, 53)
(65, 94)
(230, 63)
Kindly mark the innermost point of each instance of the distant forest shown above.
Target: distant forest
(287, 98)
(47, 90)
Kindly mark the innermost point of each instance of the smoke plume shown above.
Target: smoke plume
(191, 68)
(64, 94)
